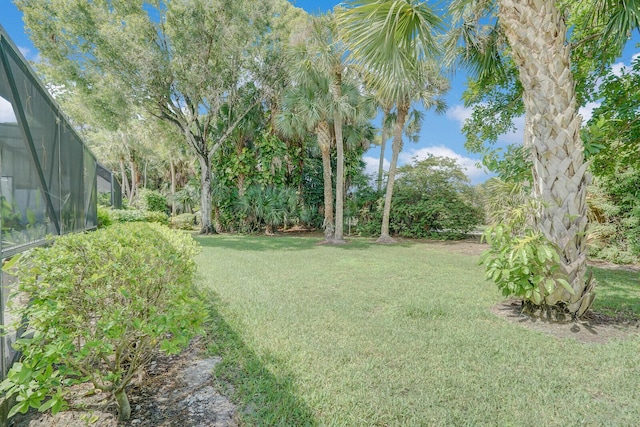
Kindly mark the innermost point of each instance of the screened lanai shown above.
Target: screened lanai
(48, 177)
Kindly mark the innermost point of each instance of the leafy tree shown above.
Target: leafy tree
(164, 56)
(434, 198)
(613, 131)
(392, 42)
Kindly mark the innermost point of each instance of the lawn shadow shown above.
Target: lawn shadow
(262, 397)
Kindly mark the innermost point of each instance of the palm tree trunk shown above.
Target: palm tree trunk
(536, 33)
(383, 145)
(403, 110)
(324, 141)
(338, 236)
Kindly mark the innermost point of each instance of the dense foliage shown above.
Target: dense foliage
(100, 304)
(432, 198)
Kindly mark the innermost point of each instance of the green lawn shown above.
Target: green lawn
(402, 335)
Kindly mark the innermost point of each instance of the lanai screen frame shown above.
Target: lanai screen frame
(62, 169)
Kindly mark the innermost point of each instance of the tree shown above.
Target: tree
(434, 198)
(321, 51)
(393, 42)
(164, 56)
(308, 107)
(552, 130)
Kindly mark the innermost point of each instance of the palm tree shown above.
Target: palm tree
(321, 51)
(392, 42)
(536, 34)
(308, 107)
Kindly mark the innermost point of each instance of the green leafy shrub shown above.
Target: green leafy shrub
(104, 199)
(431, 198)
(185, 221)
(525, 266)
(268, 207)
(152, 201)
(104, 216)
(136, 215)
(101, 304)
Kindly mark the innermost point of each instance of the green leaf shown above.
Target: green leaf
(21, 407)
(11, 262)
(47, 405)
(566, 285)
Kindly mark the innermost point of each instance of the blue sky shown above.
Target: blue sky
(440, 134)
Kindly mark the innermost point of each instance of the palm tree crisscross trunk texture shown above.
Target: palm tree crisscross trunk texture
(536, 32)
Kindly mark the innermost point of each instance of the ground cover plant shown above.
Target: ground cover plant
(366, 334)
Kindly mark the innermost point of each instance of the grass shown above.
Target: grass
(402, 335)
(618, 292)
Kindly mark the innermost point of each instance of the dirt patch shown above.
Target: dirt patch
(593, 327)
(173, 391)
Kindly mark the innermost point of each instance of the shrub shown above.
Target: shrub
(525, 266)
(100, 304)
(185, 221)
(104, 216)
(136, 215)
(152, 201)
(432, 198)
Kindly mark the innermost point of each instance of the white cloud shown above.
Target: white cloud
(516, 136)
(24, 51)
(587, 111)
(6, 112)
(371, 168)
(459, 113)
(619, 67)
(476, 174)
(29, 54)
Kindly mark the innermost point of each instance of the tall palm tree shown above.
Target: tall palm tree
(393, 43)
(321, 51)
(536, 34)
(308, 107)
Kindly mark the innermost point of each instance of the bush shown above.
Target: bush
(524, 266)
(104, 216)
(136, 215)
(431, 198)
(101, 304)
(185, 221)
(152, 201)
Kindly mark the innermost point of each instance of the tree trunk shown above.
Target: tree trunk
(324, 141)
(403, 110)
(338, 236)
(134, 181)
(125, 180)
(205, 195)
(383, 145)
(537, 34)
(172, 167)
(124, 409)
